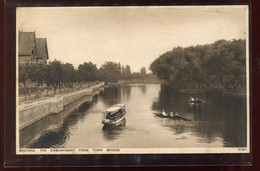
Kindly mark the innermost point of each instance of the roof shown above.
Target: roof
(115, 108)
(26, 42)
(41, 45)
(119, 105)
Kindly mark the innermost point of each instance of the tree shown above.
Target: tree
(110, 72)
(27, 76)
(87, 72)
(219, 64)
(143, 71)
(68, 74)
(126, 72)
(37, 76)
(23, 77)
(55, 74)
(46, 73)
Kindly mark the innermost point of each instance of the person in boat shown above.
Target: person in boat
(197, 99)
(163, 113)
(171, 114)
(191, 98)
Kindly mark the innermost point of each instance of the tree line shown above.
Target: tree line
(221, 64)
(57, 75)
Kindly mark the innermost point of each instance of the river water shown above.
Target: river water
(219, 122)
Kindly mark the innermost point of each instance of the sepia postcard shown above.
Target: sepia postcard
(133, 80)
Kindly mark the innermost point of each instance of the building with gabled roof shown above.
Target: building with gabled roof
(32, 49)
(42, 50)
(27, 47)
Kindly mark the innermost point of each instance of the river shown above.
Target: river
(218, 122)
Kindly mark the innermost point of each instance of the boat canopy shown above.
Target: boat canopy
(119, 105)
(115, 108)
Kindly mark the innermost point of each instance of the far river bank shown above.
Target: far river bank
(239, 93)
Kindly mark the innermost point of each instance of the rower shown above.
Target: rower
(163, 113)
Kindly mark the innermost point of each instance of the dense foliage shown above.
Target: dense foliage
(221, 64)
(57, 75)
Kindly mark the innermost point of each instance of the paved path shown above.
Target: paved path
(33, 96)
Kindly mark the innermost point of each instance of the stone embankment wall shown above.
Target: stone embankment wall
(37, 110)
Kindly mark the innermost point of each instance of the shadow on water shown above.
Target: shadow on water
(115, 94)
(222, 116)
(113, 132)
(169, 101)
(56, 135)
(143, 88)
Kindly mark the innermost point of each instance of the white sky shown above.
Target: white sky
(130, 35)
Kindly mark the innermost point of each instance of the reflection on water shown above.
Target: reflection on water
(220, 115)
(143, 88)
(219, 122)
(56, 136)
(53, 138)
(115, 94)
(113, 132)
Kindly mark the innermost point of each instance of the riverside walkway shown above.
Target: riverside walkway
(32, 111)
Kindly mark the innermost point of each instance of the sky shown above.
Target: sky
(133, 36)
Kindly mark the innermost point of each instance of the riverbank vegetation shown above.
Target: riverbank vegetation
(218, 65)
(56, 75)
